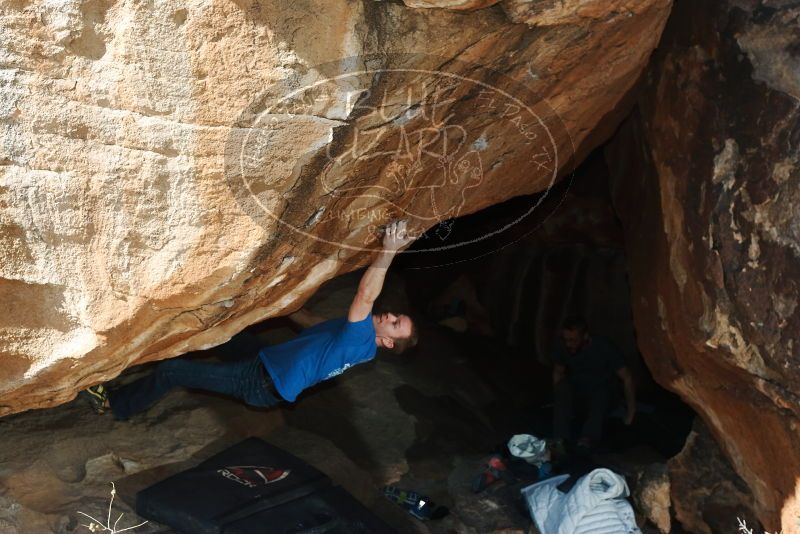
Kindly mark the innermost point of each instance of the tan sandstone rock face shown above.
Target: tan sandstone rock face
(583, 13)
(171, 172)
(456, 5)
(706, 181)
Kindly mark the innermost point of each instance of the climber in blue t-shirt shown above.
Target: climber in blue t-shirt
(324, 349)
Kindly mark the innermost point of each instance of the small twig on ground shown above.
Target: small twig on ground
(97, 526)
(743, 526)
(744, 530)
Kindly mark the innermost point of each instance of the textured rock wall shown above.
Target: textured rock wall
(456, 5)
(707, 496)
(706, 184)
(157, 194)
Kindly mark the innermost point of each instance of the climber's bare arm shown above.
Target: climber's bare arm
(304, 318)
(395, 239)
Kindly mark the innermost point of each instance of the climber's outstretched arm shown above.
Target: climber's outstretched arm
(395, 239)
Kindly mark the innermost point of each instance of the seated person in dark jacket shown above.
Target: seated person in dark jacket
(584, 366)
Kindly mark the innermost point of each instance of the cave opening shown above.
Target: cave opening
(503, 300)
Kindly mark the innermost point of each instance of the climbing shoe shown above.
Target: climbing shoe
(97, 397)
(417, 505)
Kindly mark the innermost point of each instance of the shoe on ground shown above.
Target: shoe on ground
(417, 505)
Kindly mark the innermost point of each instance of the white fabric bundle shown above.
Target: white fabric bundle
(595, 505)
(530, 448)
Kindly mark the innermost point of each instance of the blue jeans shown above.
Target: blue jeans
(247, 380)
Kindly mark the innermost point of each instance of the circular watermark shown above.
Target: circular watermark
(329, 156)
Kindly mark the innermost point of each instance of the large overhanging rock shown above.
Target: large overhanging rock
(707, 181)
(172, 173)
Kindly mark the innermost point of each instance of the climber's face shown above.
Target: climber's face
(390, 326)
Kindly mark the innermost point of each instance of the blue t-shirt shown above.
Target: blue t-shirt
(318, 353)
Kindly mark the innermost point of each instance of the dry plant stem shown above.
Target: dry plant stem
(98, 526)
(744, 530)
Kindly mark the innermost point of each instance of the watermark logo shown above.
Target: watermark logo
(332, 154)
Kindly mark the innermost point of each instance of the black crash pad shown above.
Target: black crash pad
(253, 488)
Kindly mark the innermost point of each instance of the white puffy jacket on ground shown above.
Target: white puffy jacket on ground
(596, 504)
